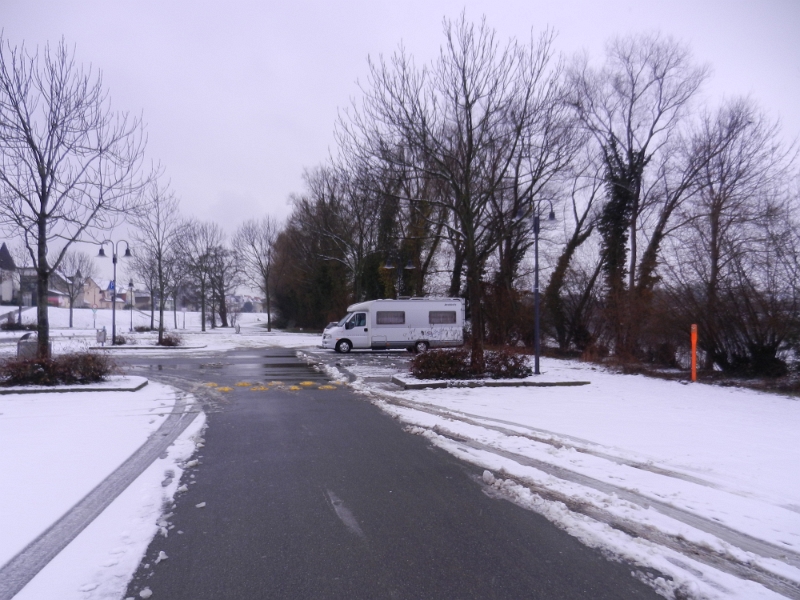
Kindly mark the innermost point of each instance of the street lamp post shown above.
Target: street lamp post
(536, 334)
(131, 301)
(114, 254)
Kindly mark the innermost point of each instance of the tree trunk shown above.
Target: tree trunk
(42, 283)
(477, 363)
(70, 312)
(223, 309)
(202, 305)
(160, 319)
(269, 305)
(42, 323)
(455, 279)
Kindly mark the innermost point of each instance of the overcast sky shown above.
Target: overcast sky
(240, 96)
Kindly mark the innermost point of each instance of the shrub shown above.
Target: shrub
(455, 364)
(441, 364)
(14, 326)
(80, 367)
(171, 339)
(507, 364)
(142, 328)
(120, 340)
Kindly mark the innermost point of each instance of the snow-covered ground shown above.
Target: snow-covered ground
(85, 325)
(696, 485)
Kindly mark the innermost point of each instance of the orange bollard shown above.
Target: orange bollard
(694, 352)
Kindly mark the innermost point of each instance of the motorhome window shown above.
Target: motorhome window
(390, 317)
(442, 317)
(360, 320)
(344, 319)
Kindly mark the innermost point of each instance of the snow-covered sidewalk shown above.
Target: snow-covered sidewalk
(703, 479)
(54, 449)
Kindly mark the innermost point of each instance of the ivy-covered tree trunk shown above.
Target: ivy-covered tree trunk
(553, 303)
(623, 177)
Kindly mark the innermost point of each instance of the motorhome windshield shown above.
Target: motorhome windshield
(344, 319)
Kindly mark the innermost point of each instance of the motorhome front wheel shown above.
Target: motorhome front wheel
(343, 346)
(421, 346)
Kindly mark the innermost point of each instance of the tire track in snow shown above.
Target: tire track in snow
(23, 567)
(732, 536)
(698, 552)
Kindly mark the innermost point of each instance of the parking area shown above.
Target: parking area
(375, 366)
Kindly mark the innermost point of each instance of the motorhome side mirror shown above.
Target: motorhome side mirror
(349, 325)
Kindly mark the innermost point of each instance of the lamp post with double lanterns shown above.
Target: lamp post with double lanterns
(114, 255)
(536, 223)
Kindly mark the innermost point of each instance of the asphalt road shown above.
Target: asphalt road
(316, 493)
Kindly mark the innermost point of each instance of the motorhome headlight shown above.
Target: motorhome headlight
(326, 336)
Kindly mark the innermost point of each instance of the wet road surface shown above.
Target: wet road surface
(315, 493)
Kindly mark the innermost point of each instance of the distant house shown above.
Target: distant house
(107, 295)
(139, 296)
(92, 293)
(245, 303)
(9, 278)
(57, 290)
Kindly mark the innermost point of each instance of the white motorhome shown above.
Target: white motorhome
(415, 324)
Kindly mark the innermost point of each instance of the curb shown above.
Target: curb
(421, 385)
(134, 347)
(64, 389)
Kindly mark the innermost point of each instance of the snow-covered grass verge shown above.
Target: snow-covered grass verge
(100, 562)
(54, 449)
(82, 336)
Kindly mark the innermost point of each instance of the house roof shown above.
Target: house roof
(6, 262)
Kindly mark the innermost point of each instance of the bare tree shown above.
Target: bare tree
(734, 253)
(224, 277)
(254, 245)
(338, 206)
(143, 267)
(77, 268)
(565, 305)
(199, 241)
(68, 164)
(462, 122)
(634, 107)
(157, 224)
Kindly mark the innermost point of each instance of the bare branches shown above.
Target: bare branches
(158, 224)
(254, 245)
(68, 164)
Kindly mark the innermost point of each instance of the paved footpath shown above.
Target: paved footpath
(315, 493)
